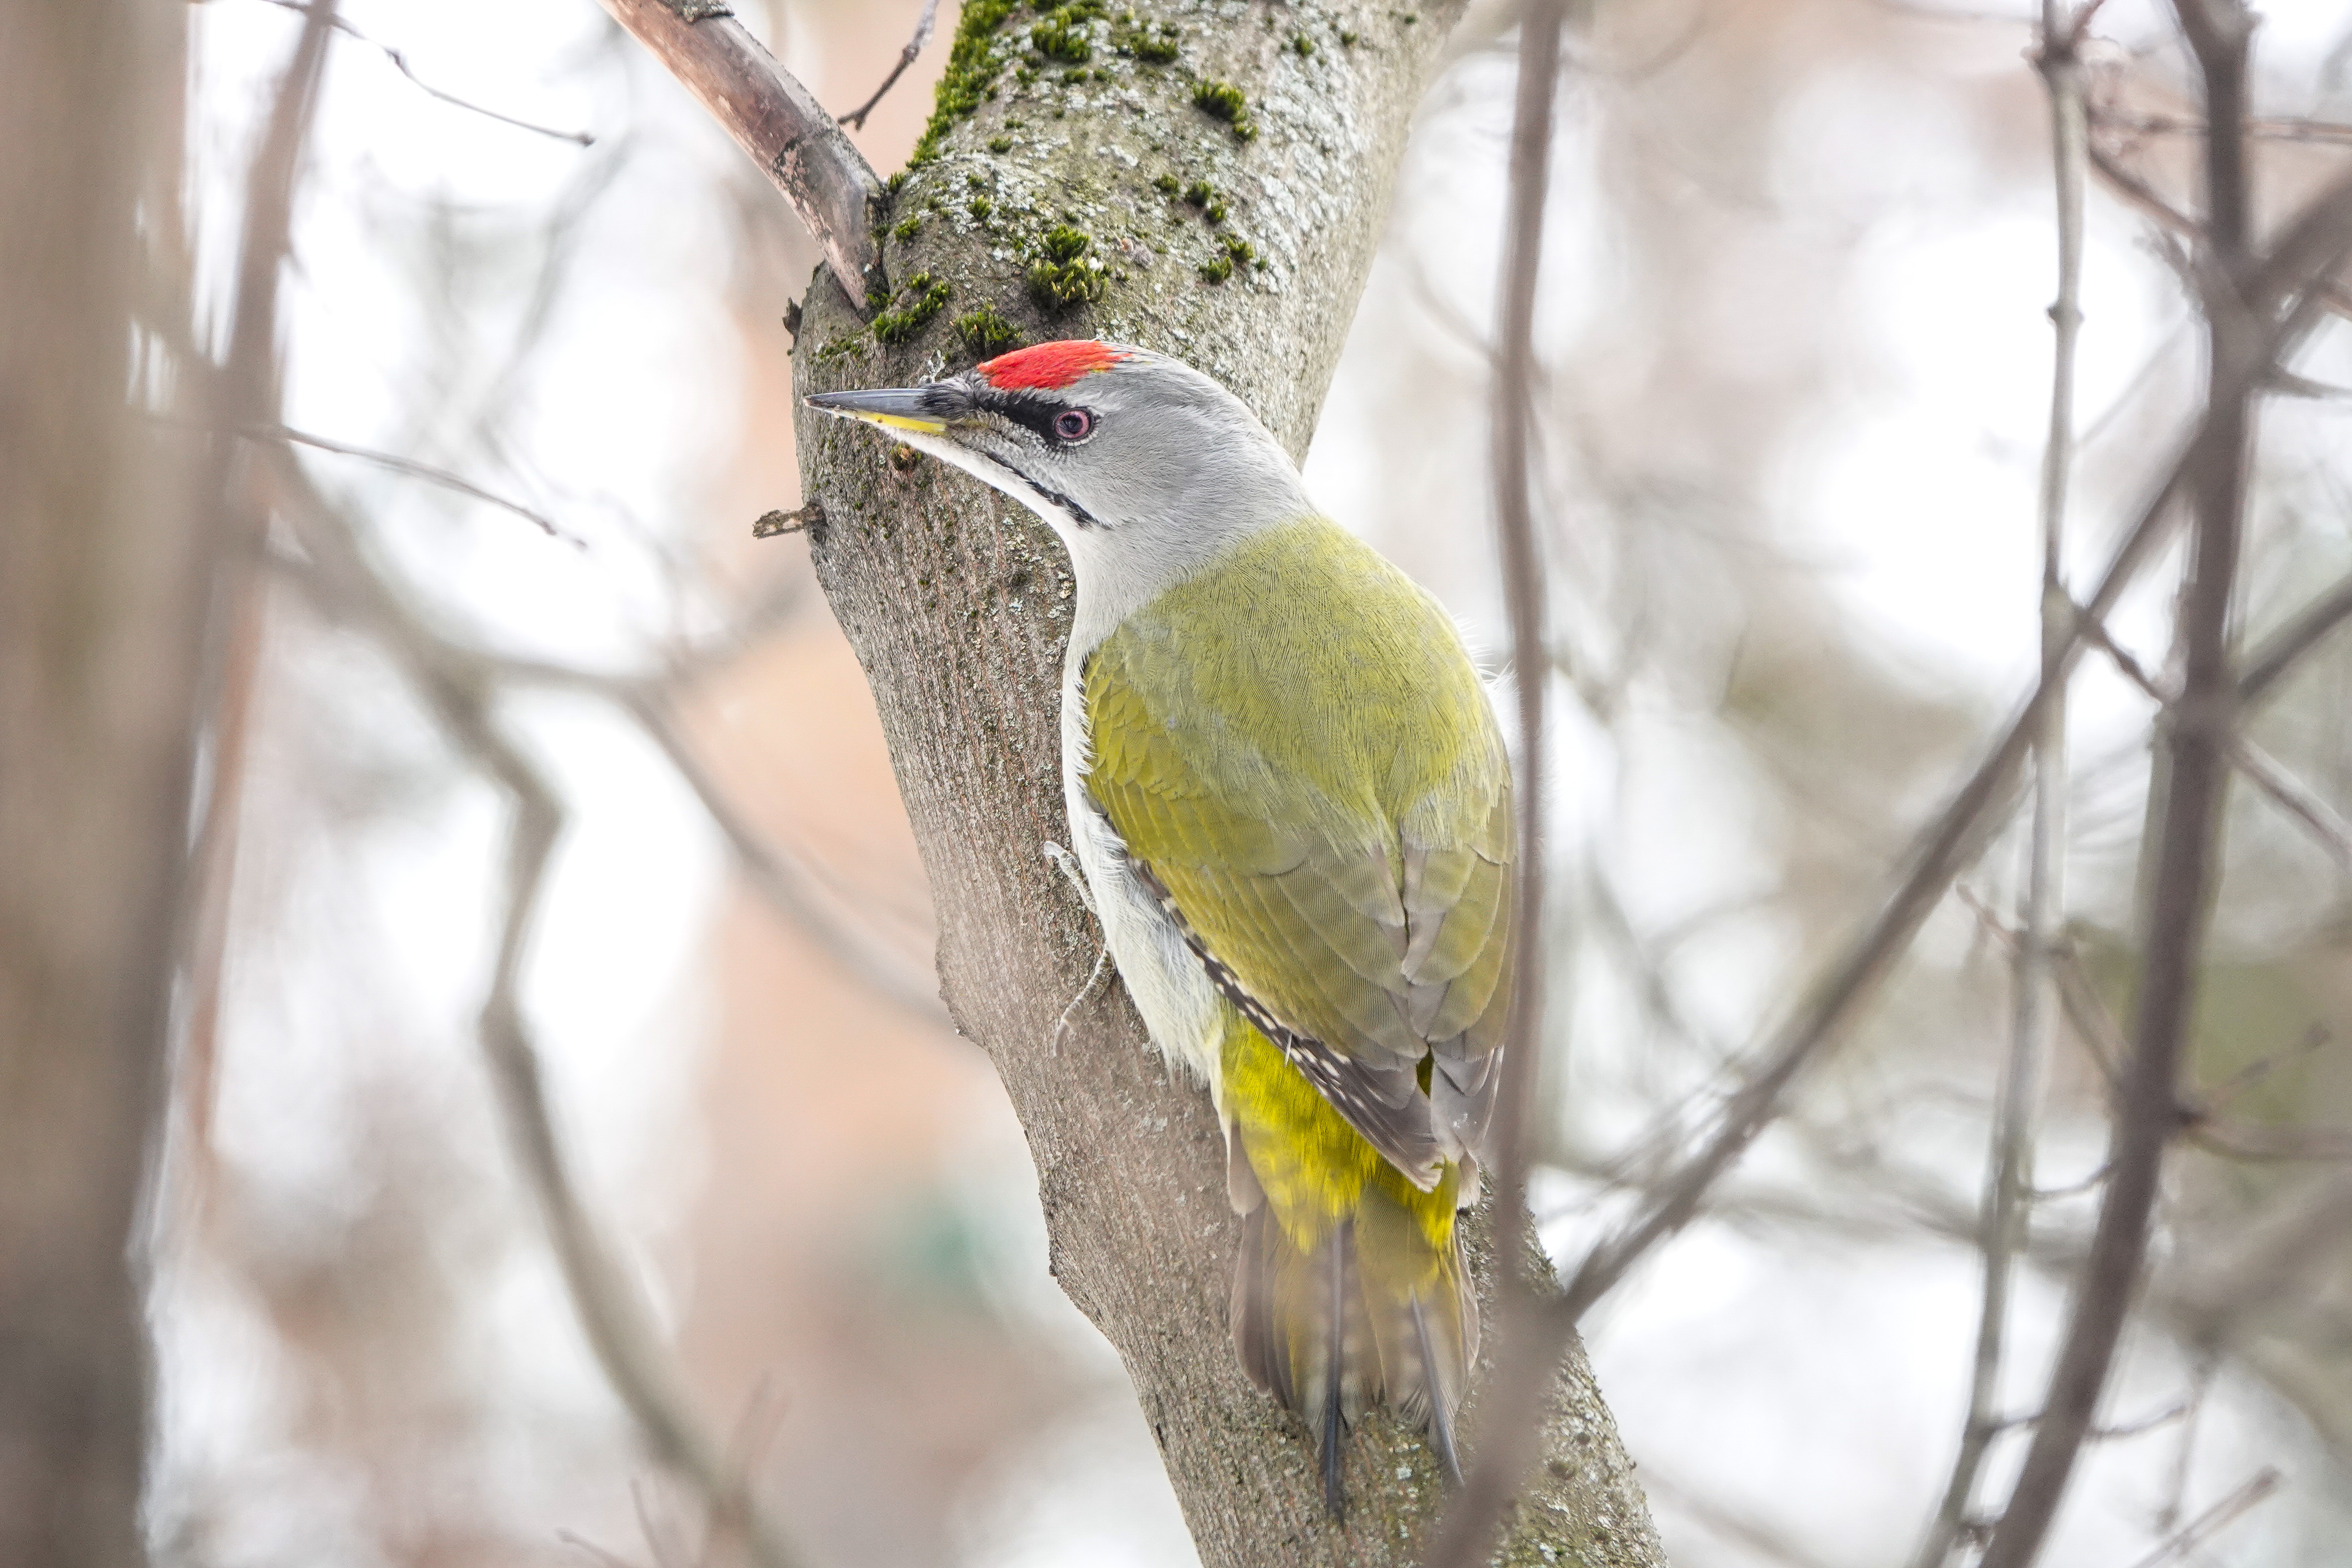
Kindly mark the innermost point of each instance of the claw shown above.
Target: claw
(1067, 864)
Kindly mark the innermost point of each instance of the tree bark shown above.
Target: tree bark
(101, 597)
(958, 604)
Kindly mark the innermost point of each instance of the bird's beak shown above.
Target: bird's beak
(925, 410)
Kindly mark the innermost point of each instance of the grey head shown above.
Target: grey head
(1147, 469)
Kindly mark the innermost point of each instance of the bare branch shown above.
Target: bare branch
(2184, 844)
(617, 1319)
(1512, 1412)
(856, 118)
(2294, 797)
(783, 883)
(2318, 131)
(414, 470)
(2009, 1176)
(2277, 656)
(2230, 1089)
(2223, 1513)
(2146, 197)
(2281, 300)
(1757, 1535)
(2262, 1143)
(805, 153)
(245, 388)
(2095, 631)
(399, 63)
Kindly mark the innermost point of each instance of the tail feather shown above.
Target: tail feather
(1370, 1309)
(1441, 1408)
(1349, 1289)
(1334, 1379)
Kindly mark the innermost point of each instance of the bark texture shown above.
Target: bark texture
(958, 604)
(100, 596)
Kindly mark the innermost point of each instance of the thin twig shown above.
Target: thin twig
(2294, 797)
(1530, 1347)
(1743, 1529)
(801, 149)
(2221, 1514)
(2136, 191)
(2278, 654)
(2008, 1174)
(2259, 1144)
(781, 881)
(617, 1319)
(2227, 1092)
(246, 388)
(399, 63)
(2184, 846)
(414, 470)
(2319, 130)
(856, 118)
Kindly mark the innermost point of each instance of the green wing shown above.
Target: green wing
(1298, 755)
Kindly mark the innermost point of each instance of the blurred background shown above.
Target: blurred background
(1796, 363)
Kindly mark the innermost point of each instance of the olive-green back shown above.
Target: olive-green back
(1295, 748)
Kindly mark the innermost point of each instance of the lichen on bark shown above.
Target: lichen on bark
(958, 604)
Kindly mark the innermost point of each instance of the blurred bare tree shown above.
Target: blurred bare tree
(104, 546)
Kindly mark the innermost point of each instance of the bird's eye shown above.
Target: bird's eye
(1074, 424)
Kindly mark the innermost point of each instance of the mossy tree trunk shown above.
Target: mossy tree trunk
(1210, 180)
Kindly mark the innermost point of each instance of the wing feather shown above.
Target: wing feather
(1330, 828)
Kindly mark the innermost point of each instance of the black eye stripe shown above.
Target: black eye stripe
(1036, 413)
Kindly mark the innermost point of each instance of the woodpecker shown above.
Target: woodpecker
(1289, 800)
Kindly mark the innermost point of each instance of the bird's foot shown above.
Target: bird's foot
(1067, 864)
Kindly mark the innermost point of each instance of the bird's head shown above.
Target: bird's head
(1144, 465)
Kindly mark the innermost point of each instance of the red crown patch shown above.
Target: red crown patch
(1050, 367)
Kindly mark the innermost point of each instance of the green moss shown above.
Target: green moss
(979, 207)
(974, 62)
(1347, 40)
(923, 298)
(986, 334)
(1238, 252)
(907, 228)
(1153, 46)
(848, 344)
(1200, 195)
(1303, 46)
(1166, 185)
(1224, 100)
(1000, 144)
(1066, 275)
(1064, 34)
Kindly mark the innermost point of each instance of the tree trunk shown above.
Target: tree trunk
(100, 598)
(958, 604)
